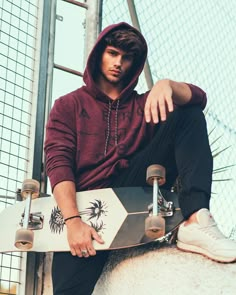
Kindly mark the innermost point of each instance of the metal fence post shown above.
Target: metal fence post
(93, 25)
(34, 259)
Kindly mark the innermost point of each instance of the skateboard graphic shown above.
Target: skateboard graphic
(124, 217)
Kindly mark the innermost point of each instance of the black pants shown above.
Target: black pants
(181, 146)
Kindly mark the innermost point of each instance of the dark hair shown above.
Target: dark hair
(127, 40)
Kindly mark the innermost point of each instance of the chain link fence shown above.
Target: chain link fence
(18, 46)
(194, 41)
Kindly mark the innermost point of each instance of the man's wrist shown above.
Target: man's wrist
(72, 217)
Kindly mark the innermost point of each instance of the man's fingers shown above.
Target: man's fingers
(147, 111)
(86, 248)
(156, 110)
(73, 252)
(81, 242)
(169, 102)
(76, 251)
(91, 251)
(83, 251)
(96, 237)
(151, 111)
(162, 109)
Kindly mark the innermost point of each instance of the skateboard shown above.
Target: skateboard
(124, 217)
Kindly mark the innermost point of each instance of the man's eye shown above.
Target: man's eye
(112, 53)
(128, 57)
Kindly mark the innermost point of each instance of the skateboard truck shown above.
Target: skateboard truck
(166, 208)
(155, 223)
(35, 220)
(25, 236)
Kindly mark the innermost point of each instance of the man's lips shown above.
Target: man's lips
(115, 72)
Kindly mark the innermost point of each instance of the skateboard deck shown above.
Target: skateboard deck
(117, 214)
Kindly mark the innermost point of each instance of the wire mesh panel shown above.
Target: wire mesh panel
(18, 39)
(67, 63)
(194, 41)
(69, 48)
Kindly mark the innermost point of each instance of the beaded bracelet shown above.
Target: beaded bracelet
(72, 217)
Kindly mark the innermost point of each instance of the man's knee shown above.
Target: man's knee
(191, 112)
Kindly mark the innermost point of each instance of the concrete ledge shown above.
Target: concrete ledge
(153, 270)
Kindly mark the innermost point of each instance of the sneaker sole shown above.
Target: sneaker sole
(194, 249)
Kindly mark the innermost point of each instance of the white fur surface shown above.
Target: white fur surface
(152, 270)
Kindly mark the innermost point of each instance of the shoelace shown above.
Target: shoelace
(213, 231)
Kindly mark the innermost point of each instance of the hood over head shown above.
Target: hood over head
(95, 57)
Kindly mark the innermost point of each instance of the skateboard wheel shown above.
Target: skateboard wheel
(155, 227)
(156, 172)
(24, 239)
(30, 186)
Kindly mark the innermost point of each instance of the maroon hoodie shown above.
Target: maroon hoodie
(89, 137)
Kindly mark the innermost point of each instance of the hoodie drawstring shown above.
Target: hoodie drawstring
(109, 125)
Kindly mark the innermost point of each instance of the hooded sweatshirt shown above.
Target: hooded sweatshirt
(90, 137)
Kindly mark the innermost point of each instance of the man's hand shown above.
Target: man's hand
(80, 238)
(79, 234)
(160, 100)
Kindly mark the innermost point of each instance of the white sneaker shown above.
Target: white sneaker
(205, 238)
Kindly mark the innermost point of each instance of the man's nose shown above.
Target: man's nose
(118, 60)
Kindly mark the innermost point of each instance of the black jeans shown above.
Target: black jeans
(181, 145)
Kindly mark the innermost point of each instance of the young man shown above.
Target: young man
(105, 134)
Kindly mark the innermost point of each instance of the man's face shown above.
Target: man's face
(115, 64)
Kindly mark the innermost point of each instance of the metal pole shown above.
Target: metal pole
(100, 16)
(33, 259)
(42, 89)
(135, 22)
(92, 25)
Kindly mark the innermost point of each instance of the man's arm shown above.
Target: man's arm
(60, 151)
(79, 234)
(162, 97)
(64, 193)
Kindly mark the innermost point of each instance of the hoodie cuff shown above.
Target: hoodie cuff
(198, 96)
(60, 174)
